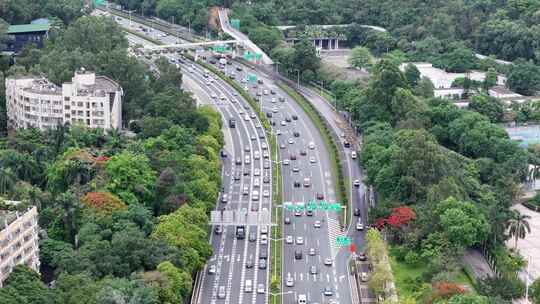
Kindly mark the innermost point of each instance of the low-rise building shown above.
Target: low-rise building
(23, 34)
(19, 237)
(90, 100)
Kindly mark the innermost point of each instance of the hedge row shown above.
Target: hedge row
(337, 167)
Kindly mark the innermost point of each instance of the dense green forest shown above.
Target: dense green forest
(124, 216)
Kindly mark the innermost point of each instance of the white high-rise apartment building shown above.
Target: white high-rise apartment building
(18, 240)
(90, 100)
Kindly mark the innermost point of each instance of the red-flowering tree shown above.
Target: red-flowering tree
(379, 223)
(103, 202)
(400, 217)
(445, 290)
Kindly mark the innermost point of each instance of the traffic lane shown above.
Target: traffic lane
(255, 278)
(231, 248)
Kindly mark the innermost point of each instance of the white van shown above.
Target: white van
(302, 299)
(353, 154)
(249, 286)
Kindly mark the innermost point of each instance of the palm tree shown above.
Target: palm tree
(518, 226)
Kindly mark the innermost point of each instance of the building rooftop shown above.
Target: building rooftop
(28, 28)
(42, 86)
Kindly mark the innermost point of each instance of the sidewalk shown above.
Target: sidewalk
(478, 264)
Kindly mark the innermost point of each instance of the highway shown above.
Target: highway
(298, 162)
(315, 165)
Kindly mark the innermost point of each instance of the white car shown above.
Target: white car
(265, 154)
(273, 100)
(257, 172)
(264, 239)
(283, 123)
(291, 141)
(260, 288)
(278, 132)
(246, 117)
(264, 146)
(317, 224)
(266, 193)
(213, 95)
(328, 262)
(265, 92)
(234, 93)
(212, 269)
(286, 162)
(222, 97)
(274, 110)
(312, 160)
(289, 282)
(289, 239)
(359, 226)
(356, 183)
(257, 155)
(311, 145)
(299, 240)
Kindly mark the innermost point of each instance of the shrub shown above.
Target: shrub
(412, 258)
(507, 288)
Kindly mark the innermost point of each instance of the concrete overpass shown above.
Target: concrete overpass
(240, 37)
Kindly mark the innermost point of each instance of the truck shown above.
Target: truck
(240, 232)
(232, 123)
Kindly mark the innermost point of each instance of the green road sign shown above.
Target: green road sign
(252, 78)
(235, 23)
(343, 241)
(219, 48)
(98, 2)
(248, 56)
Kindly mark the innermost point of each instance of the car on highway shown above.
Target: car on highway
(288, 119)
(298, 254)
(296, 184)
(256, 183)
(269, 114)
(266, 165)
(364, 277)
(237, 176)
(248, 286)
(278, 132)
(266, 179)
(252, 236)
(297, 212)
(254, 207)
(362, 256)
(255, 195)
(246, 117)
(245, 190)
(247, 149)
(222, 96)
(266, 193)
(312, 251)
(353, 154)
(356, 183)
(289, 282)
(294, 117)
(257, 155)
(312, 160)
(273, 100)
(256, 172)
(218, 229)
(291, 141)
(247, 172)
(328, 262)
(252, 115)
(212, 269)
(299, 240)
(264, 239)
(287, 220)
(258, 93)
(289, 239)
(234, 93)
(311, 145)
(264, 146)
(295, 169)
(247, 160)
(328, 291)
(282, 146)
(317, 224)
(292, 157)
(307, 182)
(275, 110)
(346, 144)
(262, 263)
(359, 225)
(296, 134)
(309, 212)
(319, 196)
(253, 137)
(313, 269)
(249, 262)
(286, 162)
(303, 152)
(260, 288)
(356, 212)
(213, 95)
(221, 292)
(283, 123)
(281, 98)
(302, 299)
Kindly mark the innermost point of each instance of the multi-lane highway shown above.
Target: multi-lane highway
(314, 265)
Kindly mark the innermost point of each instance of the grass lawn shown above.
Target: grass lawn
(405, 275)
